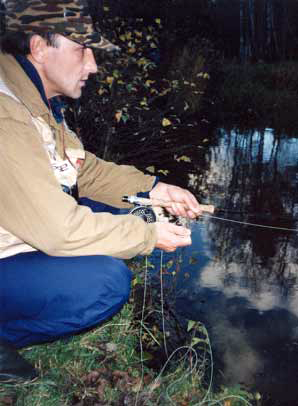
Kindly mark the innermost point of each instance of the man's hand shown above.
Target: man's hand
(184, 203)
(170, 236)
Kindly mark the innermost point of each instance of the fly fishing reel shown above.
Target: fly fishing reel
(152, 210)
(146, 213)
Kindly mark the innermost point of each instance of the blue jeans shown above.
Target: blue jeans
(43, 298)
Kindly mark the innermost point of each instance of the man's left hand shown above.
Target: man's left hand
(183, 203)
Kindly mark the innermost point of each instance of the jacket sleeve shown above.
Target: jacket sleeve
(107, 182)
(34, 208)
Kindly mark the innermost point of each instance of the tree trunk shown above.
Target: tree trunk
(242, 33)
(252, 36)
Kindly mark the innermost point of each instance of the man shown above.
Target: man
(61, 268)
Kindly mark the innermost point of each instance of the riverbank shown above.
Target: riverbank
(264, 94)
(109, 366)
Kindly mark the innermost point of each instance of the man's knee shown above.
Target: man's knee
(64, 296)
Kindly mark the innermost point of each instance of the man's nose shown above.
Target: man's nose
(90, 64)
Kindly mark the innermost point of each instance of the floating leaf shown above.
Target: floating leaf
(166, 122)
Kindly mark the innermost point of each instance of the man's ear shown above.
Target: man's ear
(38, 48)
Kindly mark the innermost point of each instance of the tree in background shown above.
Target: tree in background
(254, 30)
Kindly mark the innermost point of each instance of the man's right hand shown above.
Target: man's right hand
(170, 236)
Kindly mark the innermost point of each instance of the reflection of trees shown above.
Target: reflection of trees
(251, 182)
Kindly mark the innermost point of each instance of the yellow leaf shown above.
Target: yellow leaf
(153, 45)
(206, 76)
(157, 20)
(138, 34)
(122, 37)
(106, 8)
(118, 116)
(182, 158)
(102, 91)
(166, 122)
(149, 82)
(163, 171)
(131, 50)
(128, 35)
(120, 82)
(110, 80)
(150, 169)
(141, 61)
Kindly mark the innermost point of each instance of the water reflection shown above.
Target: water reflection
(244, 285)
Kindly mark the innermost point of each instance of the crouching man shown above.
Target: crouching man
(62, 243)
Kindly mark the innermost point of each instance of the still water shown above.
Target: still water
(242, 280)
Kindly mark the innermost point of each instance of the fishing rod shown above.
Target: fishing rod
(152, 210)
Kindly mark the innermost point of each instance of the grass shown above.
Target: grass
(106, 367)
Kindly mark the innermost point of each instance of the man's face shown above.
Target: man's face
(66, 68)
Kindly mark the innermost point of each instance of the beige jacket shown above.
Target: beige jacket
(35, 213)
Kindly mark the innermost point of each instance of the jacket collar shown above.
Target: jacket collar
(24, 81)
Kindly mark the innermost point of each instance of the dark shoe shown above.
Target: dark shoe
(13, 367)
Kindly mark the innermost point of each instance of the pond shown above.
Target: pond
(242, 281)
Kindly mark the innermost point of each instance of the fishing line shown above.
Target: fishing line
(162, 305)
(141, 330)
(249, 224)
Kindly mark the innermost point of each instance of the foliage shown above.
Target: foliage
(131, 102)
(264, 94)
